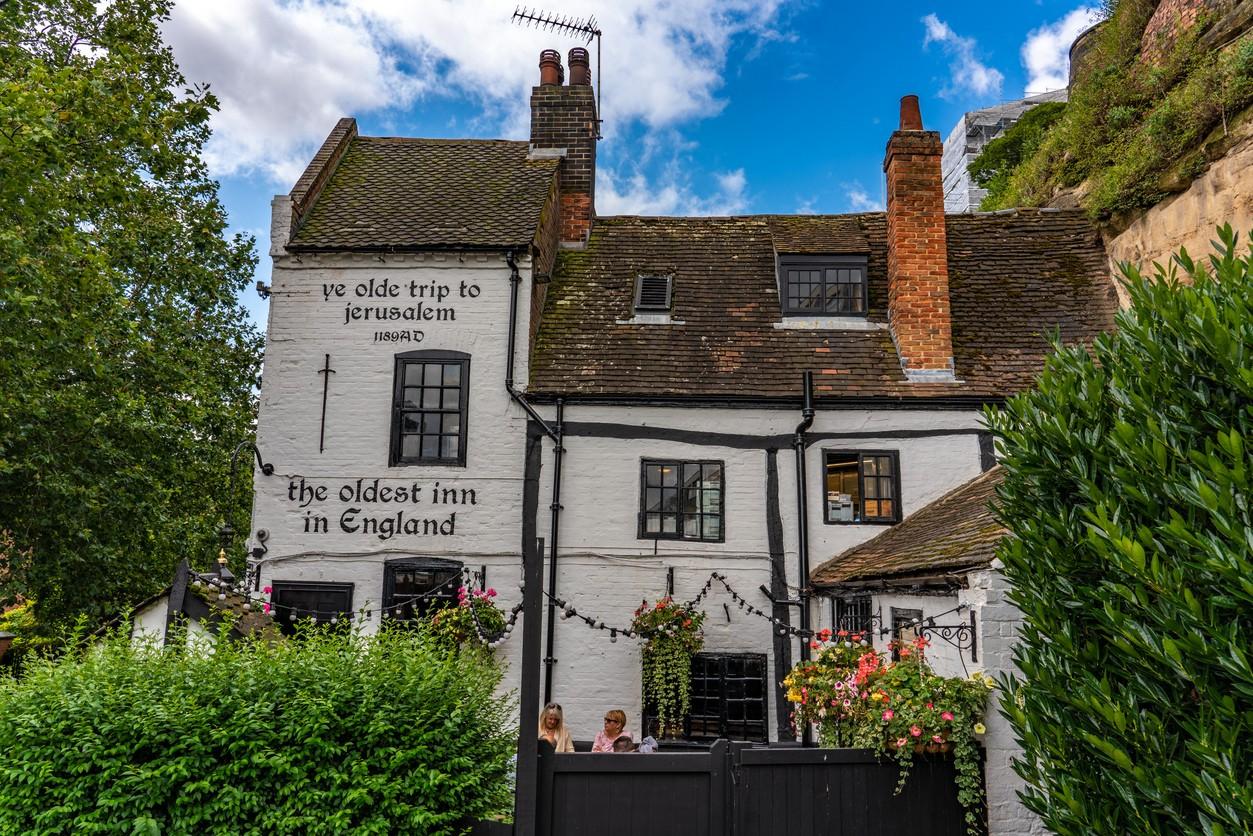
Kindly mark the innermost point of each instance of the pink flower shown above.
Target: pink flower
(814, 645)
(947, 715)
(847, 703)
(930, 705)
(491, 592)
(888, 715)
(265, 608)
(937, 738)
(267, 589)
(915, 731)
(900, 742)
(839, 686)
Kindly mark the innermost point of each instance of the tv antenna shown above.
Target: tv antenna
(584, 28)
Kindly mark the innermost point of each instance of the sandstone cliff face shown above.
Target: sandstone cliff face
(1223, 194)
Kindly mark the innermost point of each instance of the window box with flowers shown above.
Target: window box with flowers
(857, 698)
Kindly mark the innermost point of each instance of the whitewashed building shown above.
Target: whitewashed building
(447, 315)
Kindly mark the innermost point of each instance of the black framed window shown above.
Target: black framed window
(728, 698)
(905, 625)
(413, 589)
(329, 603)
(429, 408)
(853, 613)
(823, 284)
(861, 486)
(681, 500)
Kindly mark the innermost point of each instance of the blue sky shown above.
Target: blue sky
(710, 106)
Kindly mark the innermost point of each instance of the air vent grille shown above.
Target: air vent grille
(652, 293)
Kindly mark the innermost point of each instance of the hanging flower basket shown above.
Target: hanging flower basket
(672, 636)
(475, 617)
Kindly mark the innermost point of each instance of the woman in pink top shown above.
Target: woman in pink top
(615, 727)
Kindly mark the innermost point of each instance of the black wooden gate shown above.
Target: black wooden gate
(737, 790)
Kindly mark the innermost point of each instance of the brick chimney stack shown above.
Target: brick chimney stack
(564, 121)
(918, 300)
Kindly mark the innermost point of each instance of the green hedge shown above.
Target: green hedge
(1128, 492)
(329, 734)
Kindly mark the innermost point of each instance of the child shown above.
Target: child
(623, 744)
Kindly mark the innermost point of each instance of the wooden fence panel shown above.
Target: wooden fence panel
(841, 792)
(737, 790)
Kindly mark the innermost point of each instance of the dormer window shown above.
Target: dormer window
(652, 294)
(823, 285)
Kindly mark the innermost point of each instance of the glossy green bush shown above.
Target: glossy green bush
(1127, 491)
(326, 735)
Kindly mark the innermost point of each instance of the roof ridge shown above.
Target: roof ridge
(438, 140)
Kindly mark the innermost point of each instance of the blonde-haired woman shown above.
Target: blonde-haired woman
(552, 727)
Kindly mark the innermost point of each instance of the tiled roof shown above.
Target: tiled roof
(957, 531)
(395, 194)
(1013, 279)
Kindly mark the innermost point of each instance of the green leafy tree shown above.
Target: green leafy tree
(335, 733)
(127, 367)
(999, 159)
(1129, 496)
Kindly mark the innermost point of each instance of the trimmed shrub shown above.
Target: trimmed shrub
(327, 734)
(1128, 495)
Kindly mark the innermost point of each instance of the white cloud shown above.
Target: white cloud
(1046, 52)
(284, 70)
(859, 200)
(968, 73)
(633, 195)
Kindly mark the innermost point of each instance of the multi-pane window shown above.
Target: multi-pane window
(681, 500)
(728, 697)
(812, 284)
(416, 588)
(906, 625)
(853, 613)
(293, 601)
(861, 487)
(429, 408)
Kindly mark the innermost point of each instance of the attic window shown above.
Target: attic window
(652, 294)
(823, 285)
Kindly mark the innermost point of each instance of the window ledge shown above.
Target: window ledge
(828, 323)
(650, 319)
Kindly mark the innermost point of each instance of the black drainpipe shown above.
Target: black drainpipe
(549, 659)
(802, 513)
(556, 435)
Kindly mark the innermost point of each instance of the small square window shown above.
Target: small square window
(413, 589)
(325, 604)
(681, 500)
(861, 487)
(823, 285)
(652, 294)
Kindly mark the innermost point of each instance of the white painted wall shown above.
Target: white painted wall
(604, 569)
(148, 626)
(148, 623)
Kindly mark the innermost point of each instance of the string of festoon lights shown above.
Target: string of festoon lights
(466, 591)
(568, 611)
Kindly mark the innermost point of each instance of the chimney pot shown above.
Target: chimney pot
(550, 71)
(580, 67)
(911, 116)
